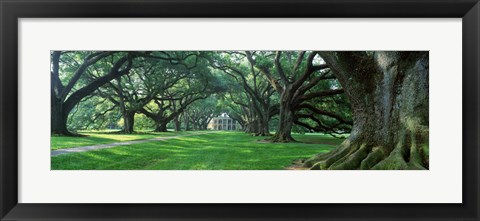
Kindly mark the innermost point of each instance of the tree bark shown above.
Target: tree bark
(128, 122)
(263, 128)
(388, 92)
(251, 127)
(177, 124)
(58, 118)
(161, 127)
(264, 117)
(286, 119)
(187, 122)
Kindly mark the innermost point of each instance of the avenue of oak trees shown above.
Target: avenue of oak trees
(379, 98)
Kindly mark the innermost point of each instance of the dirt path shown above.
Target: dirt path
(116, 144)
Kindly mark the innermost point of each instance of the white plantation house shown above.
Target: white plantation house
(223, 122)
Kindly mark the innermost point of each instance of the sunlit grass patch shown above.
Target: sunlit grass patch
(214, 151)
(95, 137)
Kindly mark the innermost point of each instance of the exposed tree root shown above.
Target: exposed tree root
(297, 165)
(324, 161)
(394, 161)
(407, 155)
(376, 155)
(352, 160)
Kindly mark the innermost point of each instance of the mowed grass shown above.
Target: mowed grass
(93, 138)
(213, 151)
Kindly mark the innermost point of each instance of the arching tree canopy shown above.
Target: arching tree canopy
(379, 100)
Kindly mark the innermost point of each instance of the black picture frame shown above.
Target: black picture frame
(12, 10)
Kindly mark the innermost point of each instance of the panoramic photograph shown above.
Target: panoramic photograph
(239, 110)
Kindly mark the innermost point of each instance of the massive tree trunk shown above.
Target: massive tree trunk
(177, 124)
(58, 118)
(388, 92)
(161, 126)
(263, 120)
(263, 128)
(285, 123)
(251, 127)
(187, 121)
(128, 122)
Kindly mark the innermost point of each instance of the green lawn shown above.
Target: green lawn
(214, 151)
(92, 138)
